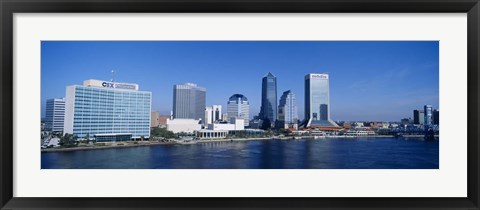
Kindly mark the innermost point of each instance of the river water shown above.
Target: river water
(338, 153)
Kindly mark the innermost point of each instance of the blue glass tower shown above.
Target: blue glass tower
(317, 101)
(268, 109)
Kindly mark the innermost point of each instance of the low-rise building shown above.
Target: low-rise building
(183, 125)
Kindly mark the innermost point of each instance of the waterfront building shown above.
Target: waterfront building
(55, 114)
(102, 107)
(255, 123)
(183, 125)
(428, 110)
(224, 116)
(268, 109)
(238, 106)
(436, 116)
(211, 134)
(317, 101)
(208, 116)
(213, 114)
(189, 101)
(234, 124)
(418, 117)
(405, 121)
(287, 111)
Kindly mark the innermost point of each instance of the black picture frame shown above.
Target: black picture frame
(9, 7)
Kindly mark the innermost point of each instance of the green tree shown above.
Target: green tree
(68, 140)
(87, 138)
(162, 132)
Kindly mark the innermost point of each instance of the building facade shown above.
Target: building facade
(55, 114)
(155, 119)
(101, 107)
(418, 117)
(189, 101)
(213, 114)
(317, 101)
(189, 126)
(428, 110)
(436, 117)
(268, 109)
(238, 107)
(287, 111)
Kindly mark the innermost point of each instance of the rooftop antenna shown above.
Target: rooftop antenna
(113, 76)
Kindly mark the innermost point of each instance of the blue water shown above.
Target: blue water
(341, 153)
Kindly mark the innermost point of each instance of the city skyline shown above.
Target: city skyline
(389, 94)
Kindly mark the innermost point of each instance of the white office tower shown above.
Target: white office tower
(108, 111)
(238, 106)
(55, 114)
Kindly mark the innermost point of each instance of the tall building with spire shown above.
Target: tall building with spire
(268, 109)
(317, 101)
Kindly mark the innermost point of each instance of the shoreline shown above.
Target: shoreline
(140, 144)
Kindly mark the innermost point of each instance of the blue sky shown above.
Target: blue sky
(369, 80)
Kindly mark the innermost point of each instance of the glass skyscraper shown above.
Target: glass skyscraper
(268, 109)
(110, 110)
(189, 101)
(55, 114)
(238, 106)
(317, 101)
(428, 110)
(287, 111)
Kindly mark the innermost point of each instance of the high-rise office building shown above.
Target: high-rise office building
(428, 110)
(108, 111)
(287, 111)
(238, 106)
(189, 101)
(55, 114)
(436, 117)
(418, 117)
(317, 101)
(268, 109)
(213, 114)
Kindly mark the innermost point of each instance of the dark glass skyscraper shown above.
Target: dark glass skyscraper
(268, 109)
(317, 101)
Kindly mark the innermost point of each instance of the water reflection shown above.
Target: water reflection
(360, 153)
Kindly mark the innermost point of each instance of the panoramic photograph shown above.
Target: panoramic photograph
(239, 105)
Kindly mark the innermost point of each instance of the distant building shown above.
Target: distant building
(189, 101)
(418, 117)
(162, 121)
(110, 110)
(212, 114)
(268, 109)
(436, 117)
(428, 115)
(224, 116)
(183, 125)
(287, 111)
(238, 106)
(154, 119)
(405, 121)
(234, 124)
(317, 101)
(55, 114)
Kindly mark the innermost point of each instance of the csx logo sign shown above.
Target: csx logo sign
(109, 85)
